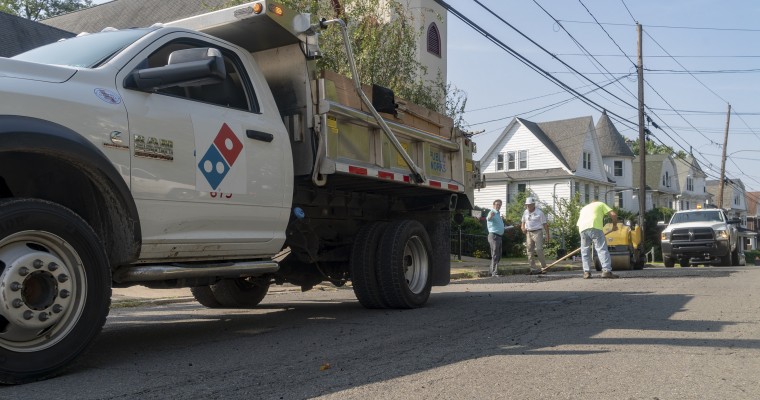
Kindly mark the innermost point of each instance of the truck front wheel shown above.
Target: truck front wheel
(55, 289)
(669, 262)
(404, 265)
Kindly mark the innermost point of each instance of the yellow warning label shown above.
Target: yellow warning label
(468, 165)
(332, 123)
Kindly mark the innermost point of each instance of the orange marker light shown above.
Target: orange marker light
(257, 8)
(276, 9)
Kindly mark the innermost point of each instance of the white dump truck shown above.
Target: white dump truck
(209, 153)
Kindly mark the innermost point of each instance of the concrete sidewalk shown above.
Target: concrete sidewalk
(466, 268)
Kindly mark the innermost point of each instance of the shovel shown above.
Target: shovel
(543, 270)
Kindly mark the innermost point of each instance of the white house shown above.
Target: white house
(661, 180)
(618, 164)
(552, 160)
(691, 181)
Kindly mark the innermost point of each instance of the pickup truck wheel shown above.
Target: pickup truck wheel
(735, 257)
(55, 289)
(404, 265)
(362, 265)
(239, 292)
(669, 262)
(684, 263)
(205, 296)
(725, 261)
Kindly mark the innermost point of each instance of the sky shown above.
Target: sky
(715, 41)
(699, 56)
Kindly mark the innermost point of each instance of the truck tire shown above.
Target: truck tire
(725, 261)
(684, 263)
(404, 270)
(205, 296)
(735, 257)
(669, 262)
(239, 292)
(55, 289)
(363, 265)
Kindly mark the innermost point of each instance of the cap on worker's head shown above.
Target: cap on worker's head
(529, 200)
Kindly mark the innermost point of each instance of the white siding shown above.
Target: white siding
(597, 166)
(520, 138)
(624, 181)
(669, 169)
(485, 197)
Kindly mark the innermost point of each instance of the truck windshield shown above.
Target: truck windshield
(88, 51)
(703, 216)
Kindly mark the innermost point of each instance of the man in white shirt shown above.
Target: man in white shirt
(535, 228)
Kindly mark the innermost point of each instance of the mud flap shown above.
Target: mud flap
(438, 226)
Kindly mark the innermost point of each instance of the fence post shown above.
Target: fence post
(460, 243)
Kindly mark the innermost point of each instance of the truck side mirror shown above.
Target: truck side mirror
(187, 67)
(661, 223)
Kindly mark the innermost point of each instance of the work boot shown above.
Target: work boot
(609, 275)
(586, 275)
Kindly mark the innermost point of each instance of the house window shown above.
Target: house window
(596, 192)
(521, 188)
(736, 200)
(509, 194)
(688, 205)
(522, 159)
(500, 162)
(689, 183)
(618, 168)
(619, 199)
(587, 193)
(433, 40)
(666, 179)
(510, 160)
(578, 188)
(586, 160)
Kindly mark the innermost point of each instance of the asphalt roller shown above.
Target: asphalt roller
(626, 247)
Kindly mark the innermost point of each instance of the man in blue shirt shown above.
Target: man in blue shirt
(495, 230)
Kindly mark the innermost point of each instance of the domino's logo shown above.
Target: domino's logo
(220, 157)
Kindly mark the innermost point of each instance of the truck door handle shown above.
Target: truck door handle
(263, 136)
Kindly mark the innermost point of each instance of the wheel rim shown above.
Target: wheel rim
(42, 290)
(415, 265)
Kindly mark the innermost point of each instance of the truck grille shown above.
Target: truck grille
(692, 234)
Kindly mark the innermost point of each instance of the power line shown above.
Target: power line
(522, 58)
(666, 26)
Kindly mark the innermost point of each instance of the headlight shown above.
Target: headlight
(721, 234)
(664, 236)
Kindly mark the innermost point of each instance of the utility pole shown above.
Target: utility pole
(723, 159)
(642, 138)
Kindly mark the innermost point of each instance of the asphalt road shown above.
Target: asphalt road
(690, 333)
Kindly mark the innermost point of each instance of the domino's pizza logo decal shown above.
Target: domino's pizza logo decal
(221, 167)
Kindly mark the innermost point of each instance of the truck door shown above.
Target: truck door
(210, 171)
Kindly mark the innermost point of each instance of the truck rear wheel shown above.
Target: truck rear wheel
(55, 289)
(363, 265)
(239, 292)
(404, 269)
(684, 263)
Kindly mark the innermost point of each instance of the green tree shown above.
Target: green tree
(384, 49)
(654, 148)
(41, 9)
